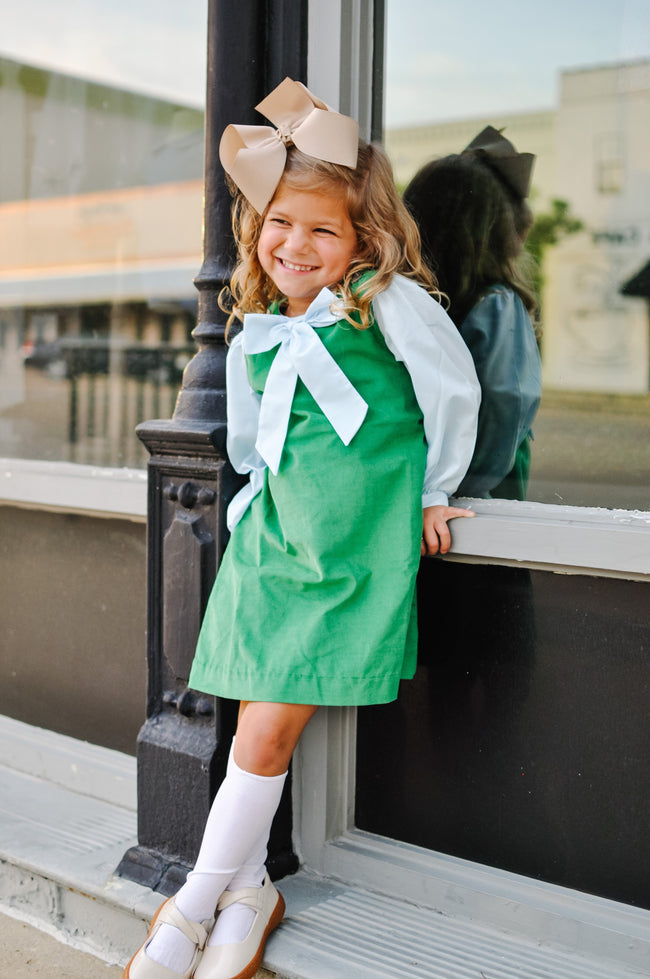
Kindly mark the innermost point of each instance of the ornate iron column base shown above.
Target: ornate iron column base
(184, 743)
(179, 765)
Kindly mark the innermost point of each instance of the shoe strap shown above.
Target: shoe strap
(250, 896)
(196, 931)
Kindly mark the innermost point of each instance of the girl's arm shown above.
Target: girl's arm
(242, 413)
(419, 333)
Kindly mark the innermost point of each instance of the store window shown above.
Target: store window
(101, 185)
(572, 86)
(527, 715)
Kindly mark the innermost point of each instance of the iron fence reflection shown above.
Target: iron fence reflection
(112, 387)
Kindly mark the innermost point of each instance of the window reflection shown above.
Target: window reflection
(100, 237)
(495, 752)
(88, 375)
(580, 101)
(473, 217)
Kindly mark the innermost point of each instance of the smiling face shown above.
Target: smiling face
(307, 242)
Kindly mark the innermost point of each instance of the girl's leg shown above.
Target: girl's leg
(251, 753)
(267, 735)
(234, 844)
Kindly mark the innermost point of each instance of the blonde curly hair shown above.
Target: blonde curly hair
(387, 237)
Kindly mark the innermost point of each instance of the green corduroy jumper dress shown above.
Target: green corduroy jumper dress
(314, 601)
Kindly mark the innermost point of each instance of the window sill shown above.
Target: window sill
(567, 539)
(571, 540)
(70, 488)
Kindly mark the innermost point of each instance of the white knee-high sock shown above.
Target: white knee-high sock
(251, 872)
(235, 921)
(237, 828)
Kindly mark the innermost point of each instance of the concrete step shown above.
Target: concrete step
(67, 815)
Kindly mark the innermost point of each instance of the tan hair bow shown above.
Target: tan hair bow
(255, 156)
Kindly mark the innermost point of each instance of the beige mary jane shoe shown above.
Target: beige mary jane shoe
(241, 960)
(142, 967)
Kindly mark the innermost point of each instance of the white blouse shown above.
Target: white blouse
(417, 331)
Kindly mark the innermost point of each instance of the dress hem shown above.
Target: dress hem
(384, 693)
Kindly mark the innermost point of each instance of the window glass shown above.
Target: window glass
(571, 85)
(521, 741)
(100, 221)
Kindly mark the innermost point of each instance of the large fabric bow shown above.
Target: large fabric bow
(301, 354)
(255, 156)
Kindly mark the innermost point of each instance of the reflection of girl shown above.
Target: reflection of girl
(352, 403)
(473, 219)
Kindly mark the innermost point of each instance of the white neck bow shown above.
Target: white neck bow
(301, 354)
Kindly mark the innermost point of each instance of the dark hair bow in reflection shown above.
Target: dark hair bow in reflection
(516, 169)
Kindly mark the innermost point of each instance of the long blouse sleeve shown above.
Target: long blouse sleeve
(242, 413)
(419, 333)
(501, 340)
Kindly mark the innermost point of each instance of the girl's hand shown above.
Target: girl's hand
(435, 532)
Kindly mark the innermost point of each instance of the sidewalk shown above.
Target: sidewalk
(27, 952)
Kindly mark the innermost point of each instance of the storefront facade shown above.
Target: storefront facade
(509, 784)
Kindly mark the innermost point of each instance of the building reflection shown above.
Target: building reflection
(100, 238)
(592, 433)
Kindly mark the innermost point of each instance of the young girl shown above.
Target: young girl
(352, 403)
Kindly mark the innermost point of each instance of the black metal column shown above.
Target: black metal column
(184, 742)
